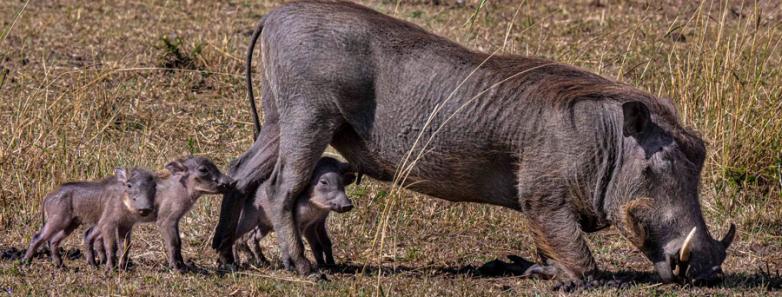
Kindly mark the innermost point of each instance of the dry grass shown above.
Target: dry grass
(85, 87)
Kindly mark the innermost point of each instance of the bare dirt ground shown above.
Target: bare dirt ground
(89, 85)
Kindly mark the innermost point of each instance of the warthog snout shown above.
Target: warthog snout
(341, 203)
(709, 277)
(343, 208)
(697, 266)
(226, 183)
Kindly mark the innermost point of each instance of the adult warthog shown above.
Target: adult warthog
(571, 150)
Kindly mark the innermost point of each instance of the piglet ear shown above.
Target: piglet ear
(121, 175)
(349, 177)
(349, 173)
(175, 167)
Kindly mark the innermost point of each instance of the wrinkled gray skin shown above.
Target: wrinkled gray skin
(189, 178)
(571, 150)
(324, 193)
(73, 204)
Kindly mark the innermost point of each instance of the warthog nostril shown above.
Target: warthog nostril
(144, 211)
(344, 208)
(710, 277)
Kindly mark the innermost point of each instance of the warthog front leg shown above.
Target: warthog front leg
(89, 250)
(246, 228)
(310, 233)
(325, 242)
(561, 245)
(288, 237)
(302, 141)
(124, 244)
(255, 247)
(249, 170)
(169, 229)
(109, 234)
(54, 243)
(320, 243)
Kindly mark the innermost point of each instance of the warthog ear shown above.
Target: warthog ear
(121, 175)
(668, 103)
(349, 173)
(636, 118)
(634, 211)
(175, 166)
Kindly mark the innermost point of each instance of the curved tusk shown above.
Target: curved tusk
(684, 253)
(728, 239)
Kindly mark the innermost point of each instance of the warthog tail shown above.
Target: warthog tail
(249, 78)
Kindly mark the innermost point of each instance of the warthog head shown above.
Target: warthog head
(140, 188)
(328, 185)
(657, 184)
(201, 175)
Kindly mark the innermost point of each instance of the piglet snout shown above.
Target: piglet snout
(343, 206)
(226, 183)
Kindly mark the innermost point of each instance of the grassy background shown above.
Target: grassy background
(85, 87)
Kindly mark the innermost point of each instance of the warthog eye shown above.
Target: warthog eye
(203, 169)
(323, 182)
(130, 186)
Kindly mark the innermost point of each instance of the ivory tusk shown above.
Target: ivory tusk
(684, 253)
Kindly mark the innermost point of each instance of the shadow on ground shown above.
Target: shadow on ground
(771, 280)
(763, 278)
(13, 253)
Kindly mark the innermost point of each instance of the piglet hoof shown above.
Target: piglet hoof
(192, 267)
(329, 265)
(287, 263)
(228, 267)
(538, 271)
(569, 286)
(260, 263)
(303, 267)
(326, 267)
(317, 277)
(615, 283)
(181, 268)
(225, 259)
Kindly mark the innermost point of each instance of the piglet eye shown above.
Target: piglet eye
(323, 182)
(130, 186)
(202, 169)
